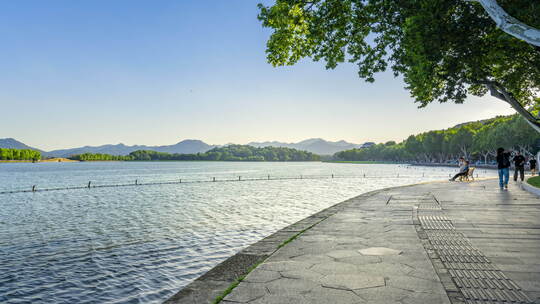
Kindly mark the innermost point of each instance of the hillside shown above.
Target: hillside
(11, 143)
(314, 145)
(476, 141)
(182, 147)
(226, 153)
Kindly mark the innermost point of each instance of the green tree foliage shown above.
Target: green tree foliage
(444, 49)
(19, 154)
(227, 153)
(462, 139)
(476, 140)
(98, 157)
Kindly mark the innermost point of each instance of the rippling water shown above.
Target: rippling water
(142, 244)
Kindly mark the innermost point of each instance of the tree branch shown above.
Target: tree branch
(509, 24)
(500, 92)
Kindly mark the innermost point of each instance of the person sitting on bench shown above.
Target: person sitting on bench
(463, 171)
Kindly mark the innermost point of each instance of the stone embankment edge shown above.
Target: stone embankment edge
(530, 188)
(213, 284)
(225, 276)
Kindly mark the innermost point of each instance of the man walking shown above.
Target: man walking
(519, 163)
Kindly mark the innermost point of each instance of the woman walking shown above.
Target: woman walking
(503, 164)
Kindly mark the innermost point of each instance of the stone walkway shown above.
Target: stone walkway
(429, 243)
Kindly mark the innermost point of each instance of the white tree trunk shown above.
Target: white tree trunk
(486, 154)
(525, 150)
(509, 24)
(464, 151)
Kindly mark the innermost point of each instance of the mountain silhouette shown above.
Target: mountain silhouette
(314, 145)
(188, 146)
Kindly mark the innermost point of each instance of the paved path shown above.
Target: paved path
(430, 243)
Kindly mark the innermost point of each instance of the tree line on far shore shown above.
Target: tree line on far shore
(227, 153)
(474, 141)
(19, 154)
(99, 157)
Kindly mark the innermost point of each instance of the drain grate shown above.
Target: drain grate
(400, 199)
(434, 222)
(478, 280)
(428, 206)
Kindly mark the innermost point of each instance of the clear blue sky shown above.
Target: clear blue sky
(156, 72)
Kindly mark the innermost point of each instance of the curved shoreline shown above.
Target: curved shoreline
(211, 285)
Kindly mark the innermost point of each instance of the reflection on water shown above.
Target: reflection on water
(142, 244)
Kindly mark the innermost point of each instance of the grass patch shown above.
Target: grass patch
(292, 238)
(240, 279)
(534, 181)
(235, 283)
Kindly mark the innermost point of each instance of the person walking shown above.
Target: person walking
(503, 165)
(519, 163)
(532, 165)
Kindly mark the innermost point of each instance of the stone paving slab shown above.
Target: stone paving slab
(212, 284)
(428, 243)
(367, 252)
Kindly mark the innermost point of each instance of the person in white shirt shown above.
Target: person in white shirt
(463, 171)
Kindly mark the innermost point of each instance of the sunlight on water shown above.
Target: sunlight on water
(142, 244)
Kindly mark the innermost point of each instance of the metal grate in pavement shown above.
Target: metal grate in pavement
(409, 199)
(478, 280)
(431, 222)
(429, 206)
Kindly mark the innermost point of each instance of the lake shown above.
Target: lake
(142, 244)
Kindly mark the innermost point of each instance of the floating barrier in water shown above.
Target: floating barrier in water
(137, 182)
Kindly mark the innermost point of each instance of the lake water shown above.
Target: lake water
(143, 244)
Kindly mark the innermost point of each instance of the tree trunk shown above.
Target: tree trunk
(524, 150)
(464, 151)
(509, 24)
(485, 154)
(441, 158)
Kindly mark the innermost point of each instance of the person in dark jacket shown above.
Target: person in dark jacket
(519, 163)
(532, 165)
(503, 165)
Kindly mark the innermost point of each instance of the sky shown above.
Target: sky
(78, 73)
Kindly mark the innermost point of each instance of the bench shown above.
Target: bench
(469, 177)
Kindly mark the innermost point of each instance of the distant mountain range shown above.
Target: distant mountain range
(185, 146)
(10, 143)
(314, 145)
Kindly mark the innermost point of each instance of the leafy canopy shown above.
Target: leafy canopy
(474, 140)
(19, 154)
(444, 49)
